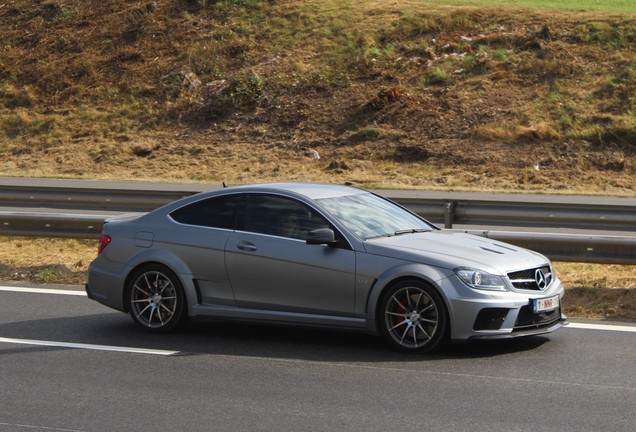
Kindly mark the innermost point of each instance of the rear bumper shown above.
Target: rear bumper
(105, 287)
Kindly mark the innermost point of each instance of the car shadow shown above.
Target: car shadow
(239, 339)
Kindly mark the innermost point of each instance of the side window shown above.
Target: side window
(283, 217)
(217, 212)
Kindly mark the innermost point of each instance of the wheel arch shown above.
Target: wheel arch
(167, 260)
(424, 274)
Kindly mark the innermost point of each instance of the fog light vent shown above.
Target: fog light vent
(490, 319)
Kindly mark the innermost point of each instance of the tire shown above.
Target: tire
(413, 317)
(155, 299)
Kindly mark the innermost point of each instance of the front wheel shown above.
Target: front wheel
(155, 299)
(413, 317)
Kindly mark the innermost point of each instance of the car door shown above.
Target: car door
(270, 265)
(198, 237)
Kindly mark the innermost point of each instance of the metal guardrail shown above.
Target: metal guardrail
(496, 213)
(523, 214)
(88, 198)
(51, 225)
(448, 209)
(571, 247)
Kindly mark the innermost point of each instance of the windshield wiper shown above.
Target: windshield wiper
(410, 231)
(400, 232)
(378, 236)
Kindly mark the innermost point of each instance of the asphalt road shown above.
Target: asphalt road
(218, 377)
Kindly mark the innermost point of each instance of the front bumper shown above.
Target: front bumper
(530, 331)
(503, 315)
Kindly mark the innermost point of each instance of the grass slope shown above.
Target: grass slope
(401, 93)
(613, 6)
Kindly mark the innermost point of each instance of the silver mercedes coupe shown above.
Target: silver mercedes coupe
(318, 255)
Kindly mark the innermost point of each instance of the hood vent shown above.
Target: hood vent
(491, 250)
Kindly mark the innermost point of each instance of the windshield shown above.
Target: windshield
(367, 216)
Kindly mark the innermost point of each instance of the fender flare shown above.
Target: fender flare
(169, 260)
(429, 275)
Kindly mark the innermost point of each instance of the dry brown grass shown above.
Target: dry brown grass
(45, 260)
(188, 91)
(599, 291)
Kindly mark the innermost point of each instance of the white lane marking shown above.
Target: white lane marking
(42, 291)
(588, 326)
(14, 425)
(88, 346)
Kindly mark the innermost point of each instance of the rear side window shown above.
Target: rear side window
(219, 212)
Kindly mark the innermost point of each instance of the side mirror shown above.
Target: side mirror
(321, 236)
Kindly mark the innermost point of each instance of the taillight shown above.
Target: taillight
(104, 240)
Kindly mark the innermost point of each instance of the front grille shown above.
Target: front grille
(527, 318)
(530, 280)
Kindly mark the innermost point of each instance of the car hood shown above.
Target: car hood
(450, 250)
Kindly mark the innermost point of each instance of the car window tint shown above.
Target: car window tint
(217, 212)
(279, 216)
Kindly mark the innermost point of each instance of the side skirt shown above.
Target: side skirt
(225, 313)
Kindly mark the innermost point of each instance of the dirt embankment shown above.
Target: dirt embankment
(403, 94)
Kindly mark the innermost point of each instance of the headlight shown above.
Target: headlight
(481, 280)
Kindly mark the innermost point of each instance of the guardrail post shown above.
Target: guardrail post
(449, 215)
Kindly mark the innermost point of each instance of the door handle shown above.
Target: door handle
(246, 246)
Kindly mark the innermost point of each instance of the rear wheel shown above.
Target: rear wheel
(413, 317)
(155, 298)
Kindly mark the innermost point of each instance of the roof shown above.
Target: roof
(309, 190)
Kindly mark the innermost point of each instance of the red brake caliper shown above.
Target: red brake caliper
(399, 310)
